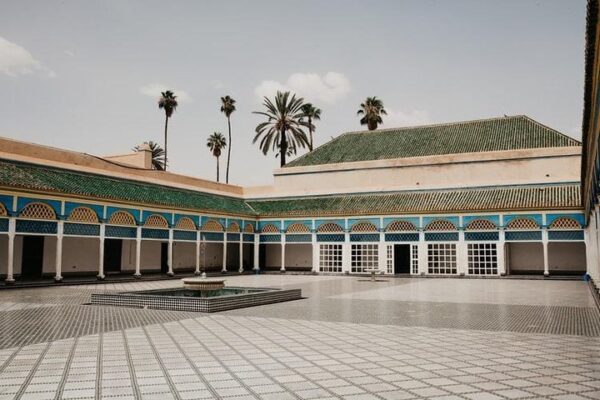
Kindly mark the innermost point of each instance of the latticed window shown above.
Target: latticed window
(389, 261)
(522, 224)
(441, 225)
(3, 212)
(565, 223)
(481, 225)
(121, 218)
(483, 259)
(269, 228)
(441, 258)
(249, 228)
(156, 221)
(414, 260)
(185, 223)
(330, 258)
(330, 227)
(401, 226)
(363, 257)
(212, 226)
(364, 227)
(38, 211)
(233, 227)
(298, 228)
(83, 214)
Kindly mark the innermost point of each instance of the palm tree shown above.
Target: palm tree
(283, 128)
(168, 102)
(371, 110)
(216, 142)
(312, 113)
(227, 108)
(158, 154)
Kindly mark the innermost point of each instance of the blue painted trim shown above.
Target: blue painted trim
(152, 233)
(3, 224)
(401, 237)
(237, 221)
(146, 214)
(331, 237)
(120, 231)
(467, 219)
(233, 237)
(70, 206)
(248, 237)
(276, 222)
(566, 235)
(550, 218)
(33, 226)
(212, 236)
(205, 219)
(270, 238)
(416, 221)
(111, 210)
(538, 218)
(340, 222)
(22, 202)
(441, 236)
(453, 219)
(194, 218)
(184, 235)
(305, 222)
(354, 221)
(517, 236)
(71, 228)
(299, 238)
(364, 237)
(7, 202)
(482, 236)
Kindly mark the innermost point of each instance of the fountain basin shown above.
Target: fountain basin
(203, 284)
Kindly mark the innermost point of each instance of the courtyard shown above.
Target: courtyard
(403, 338)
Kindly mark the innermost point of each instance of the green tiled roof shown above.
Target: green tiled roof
(61, 181)
(505, 133)
(468, 200)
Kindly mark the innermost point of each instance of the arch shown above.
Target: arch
(249, 228)
(481, 225)
(212, 226)
(121, 218)
(522, 224)
(3, 212)
(298, 228)
(156, 221)
(330, 227)
(440, 225)
(83, 214)
(38, 211)
(186, 223)
(233, 227)
(363, 227)
(269, 228)
(565, 223)
(400, 226)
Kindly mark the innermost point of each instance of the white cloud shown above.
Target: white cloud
(16, 60)
(328, 88)
(398, 118)
(154, 90)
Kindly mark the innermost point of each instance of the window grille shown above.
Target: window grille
(120, 231)
(186, 224)
(414, 258)
(390, 258)
(150, 233)
(43, 227)
(330, 258)
(121, 218)
(3, 212)
(212, 236)
(249, 237)
(38, 211)
(401, 226)
(440, 225)
(81, 229)
(482, 258)
(441, 258)
(481, 236)
(441, 236)
(330, 227)
(330, 238)
(233, 237)
(524, 235)
(249, 228)
(401, 237)
(83, 214)
(184, 235)
(481, 225)
(363, 257)
(565, 223)
(301, 238)
(212, 226)
(565, 235)
(269, 228)
(364, 227)
(522, 224)
(364, 237)
(233, 227)
(270, 238)
(298, 228)
(156, 221)
(3, 225)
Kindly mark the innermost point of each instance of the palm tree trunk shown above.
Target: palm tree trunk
(310, 147)
(282, 147)
(228, 151)
(166, 127)
(217, 169)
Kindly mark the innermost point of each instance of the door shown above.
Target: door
(262, 255)
(32, 263)
(402, 259)
(113, 250)
(164, 257)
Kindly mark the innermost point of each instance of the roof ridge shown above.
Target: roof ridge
(551, 129)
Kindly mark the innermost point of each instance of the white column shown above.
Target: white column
(315, 253)
(422, 253)
(10, 279)
(500, 252)
(461, 254)
(197, 272)
(545, 244)
(346, 254)
(256, 252)
(224, 268)
(241, 270)
(282, 269)
(101, 253)
(170, 254)
(382, 257)
(59, 249)
(138, 252)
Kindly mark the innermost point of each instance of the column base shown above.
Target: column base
(241, 271)
(9, 282)
(224, 271)
(282, 271)
(171, 274)
(100, 277)
(58, 279)
(197, 273)
(137, 275)
(546, 274)
(203, 275)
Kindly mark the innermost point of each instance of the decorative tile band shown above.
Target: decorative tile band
(184, 235)
(81, 229)
(150, 233)
(565, 235)
(3, 225)
(248, 237)
(298, 238)
(401, 237)
(270, 238)
(364, 237)
(233, 237)
(212, 236)
(441, 236)
(120, 231)
(523, 235)
(43, 227)
(330, 237)
(482, 236)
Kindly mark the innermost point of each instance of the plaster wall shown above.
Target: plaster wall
(150, 255)
(80, 255)
(184, 255)
(525, 256)
(298, 255)
(567, 257)
(213, 256)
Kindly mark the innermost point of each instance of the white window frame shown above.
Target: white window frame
(330, 257)
(364, 256)
(442, 258)
(482, 258)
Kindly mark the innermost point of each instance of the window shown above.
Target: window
(390, 258)
(330, 258)
(441, 258)
(483, 259)
(364, 256)
(414, 259)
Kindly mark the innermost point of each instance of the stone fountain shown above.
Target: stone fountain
(203, 285)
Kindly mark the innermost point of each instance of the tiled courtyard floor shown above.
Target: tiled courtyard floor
(350, 338)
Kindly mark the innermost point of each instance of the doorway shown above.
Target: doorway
(402, 259)
(164, 257)
(113, 250)
(32, 263)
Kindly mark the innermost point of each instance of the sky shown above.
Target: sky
(86, 75)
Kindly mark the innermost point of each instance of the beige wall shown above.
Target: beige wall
(298, 255)
(525, 257)
(566, 257)
(184, 255)
(150, 255)
(80, 255)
